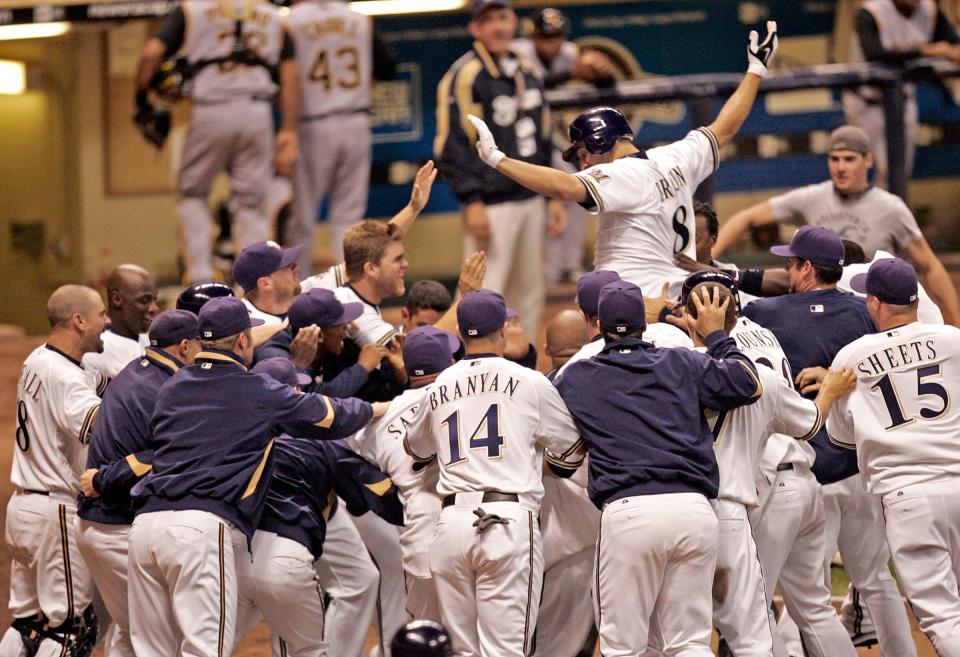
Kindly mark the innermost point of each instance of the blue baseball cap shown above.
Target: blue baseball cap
(428, 350)
(891, 280)
(282, 370)
(819, 245)
(481, 312)
(588, 289)
(172, 326)
(262, 259)
(621, 308)
(225, 316)
(321, 307)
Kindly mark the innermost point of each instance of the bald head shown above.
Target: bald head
(566, 333)
(69, 300)
(131, 299)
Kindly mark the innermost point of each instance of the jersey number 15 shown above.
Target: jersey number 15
(924, 389)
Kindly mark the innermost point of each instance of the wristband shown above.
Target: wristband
(751, 281)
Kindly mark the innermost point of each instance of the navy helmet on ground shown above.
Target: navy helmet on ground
(421, 638)
(598, 129)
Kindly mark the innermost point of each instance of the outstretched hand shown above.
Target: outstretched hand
(486, 146)
(760, 55)
(422, 184)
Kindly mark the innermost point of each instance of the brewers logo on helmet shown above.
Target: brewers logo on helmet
(598, 130)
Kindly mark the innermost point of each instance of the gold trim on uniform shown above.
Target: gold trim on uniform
(327, 421)
(223, 598)
(463, 92)
(223, 358)
(67, 567)
(381, 487)
(487, 60)
(714, 146)
(255, 479)
(753, 374)
(138, 467)
(88, 420)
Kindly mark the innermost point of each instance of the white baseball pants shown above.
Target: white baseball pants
(182, 584)
(788, 527)
(488, 583)
(739, 600)
(854, 525)
(278, 582)
(924, 537)
(515, 256)
(348, 575)
(106, 547)
(566, 606)
(422, 602)
(654, 562)
(383, 543)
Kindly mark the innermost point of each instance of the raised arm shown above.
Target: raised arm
(419, 195)
(935, 280)
(735, 111)
(734, 227)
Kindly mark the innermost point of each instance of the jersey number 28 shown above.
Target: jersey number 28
(485, 435)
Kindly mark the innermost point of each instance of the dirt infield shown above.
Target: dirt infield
(12, 353)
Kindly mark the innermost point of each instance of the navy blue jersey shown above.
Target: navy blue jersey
(213, 429)
(640, 412)
(812, 327)
(121, 441)
(307, 477)
(346, 383)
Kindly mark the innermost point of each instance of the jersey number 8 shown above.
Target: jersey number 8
(490, 423)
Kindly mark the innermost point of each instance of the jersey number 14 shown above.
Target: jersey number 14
(485, 435)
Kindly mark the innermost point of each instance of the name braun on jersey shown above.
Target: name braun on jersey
(476, 384)
(672, 184)
(873, 362)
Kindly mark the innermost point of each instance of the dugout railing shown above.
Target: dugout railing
(699, 92)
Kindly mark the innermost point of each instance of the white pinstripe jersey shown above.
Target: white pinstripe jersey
(368, 328)
(335, 54)
(117, 353)
(56, 403)
(644, 208)
(901, 415)
(488, 421)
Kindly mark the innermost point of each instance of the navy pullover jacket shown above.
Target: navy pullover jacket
(812, 327)
(307, 477)
(213, 429)
(120, 446)
(640, 412)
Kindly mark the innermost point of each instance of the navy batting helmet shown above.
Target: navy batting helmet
(195, 296)
(421, 638)
(598, 129)
(710, 276)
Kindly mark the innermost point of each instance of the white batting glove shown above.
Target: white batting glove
(486, 147)
(760, 57)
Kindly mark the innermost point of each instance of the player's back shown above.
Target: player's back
(211, 35)
(489, 418)
(907, 428)
(334, 47)
(646, 210)
(56, 403)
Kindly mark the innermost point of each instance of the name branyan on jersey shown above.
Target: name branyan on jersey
(909, 353)
(476, 384)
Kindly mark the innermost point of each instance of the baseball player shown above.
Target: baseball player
(234, 50)
(280, 581)
(848, 205)
(740, 437)
(566, 333)
(486, 420)
(212, 431)
(339, 58)
(904, 429)
(131, 305)
(659, 334)
(50, 586)
(895, 32)
(643, 199)
(812, 324)
(427, 351)
(119, 454)
(422, 638)
(652, 470)
(268, 276)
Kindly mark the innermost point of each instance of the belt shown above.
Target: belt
(488, 496)
(35, 492)
(327, 115)
(784, 466)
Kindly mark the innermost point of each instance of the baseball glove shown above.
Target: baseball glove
(152, 122)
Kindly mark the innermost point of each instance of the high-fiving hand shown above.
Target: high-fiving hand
(486, 146)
